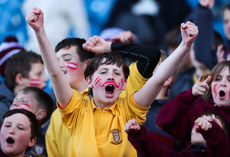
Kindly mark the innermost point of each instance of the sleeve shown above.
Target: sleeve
(145, 144)
(203, 44)
(176, 116)
(147, 56)
(131, 110)
(217, 141)
(71, 112)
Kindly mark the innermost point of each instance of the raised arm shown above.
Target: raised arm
(62, 89)
(148, 93)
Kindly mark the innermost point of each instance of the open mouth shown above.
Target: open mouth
(10, 140)
(109, 89)
(221, 93)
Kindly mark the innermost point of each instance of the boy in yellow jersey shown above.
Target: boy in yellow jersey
(70, 50)
(96, 123)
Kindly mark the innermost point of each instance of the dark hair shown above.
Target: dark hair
(69, 42)
(227, 6)
(20, 63)
(34, 124)
(217, 69)
(220, 118)
(105, 58)
(43, 99)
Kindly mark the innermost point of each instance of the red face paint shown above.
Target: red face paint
(111, 82)
(25, 106)
(35, 82)
(97, 80)
(72, 65)
(214, 90)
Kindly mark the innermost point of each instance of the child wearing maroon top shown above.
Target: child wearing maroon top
(208, 138)
(177, 116)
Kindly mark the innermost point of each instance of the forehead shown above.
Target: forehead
(225, 70)
(226, 13)
(29, 97)
(18, 118)
(110, 66)
(71, 51)
(22, 94)
(36, 66)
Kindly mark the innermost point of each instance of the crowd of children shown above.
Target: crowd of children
(113, 97)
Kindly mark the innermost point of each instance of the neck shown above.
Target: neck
(80, 86)
(21, 155)
(17, 89)
(102, 105)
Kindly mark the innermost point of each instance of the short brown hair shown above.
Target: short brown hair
(106, 58)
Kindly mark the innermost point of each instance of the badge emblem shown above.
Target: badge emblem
(38, 150)
(116, 136)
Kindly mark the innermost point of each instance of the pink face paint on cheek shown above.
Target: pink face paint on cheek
(35, 82)
(214, 90)
(26, 106)
(72, 65)
(97, 80)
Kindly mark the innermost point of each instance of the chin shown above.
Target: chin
(223, 105)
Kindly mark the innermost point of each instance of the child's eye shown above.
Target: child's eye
(228, 79)
(117, 73)
(21, 128)
(7, 125)
(218, 79)
(24, 101)
(67, 59)
(103, 72)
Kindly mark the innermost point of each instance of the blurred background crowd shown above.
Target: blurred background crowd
(150, 20)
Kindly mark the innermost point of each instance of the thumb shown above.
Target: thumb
(208, 79)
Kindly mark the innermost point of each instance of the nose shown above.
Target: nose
(15, 104)
(223, 83)
(111, 76)
(12, 130)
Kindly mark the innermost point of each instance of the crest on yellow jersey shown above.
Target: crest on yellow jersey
(116, 136)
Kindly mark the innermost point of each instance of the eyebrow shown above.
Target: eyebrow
(65, 55)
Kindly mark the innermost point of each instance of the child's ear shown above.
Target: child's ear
(89, 82)
(19, 79)
(124, 85)
(32, 142)
(41, 114)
